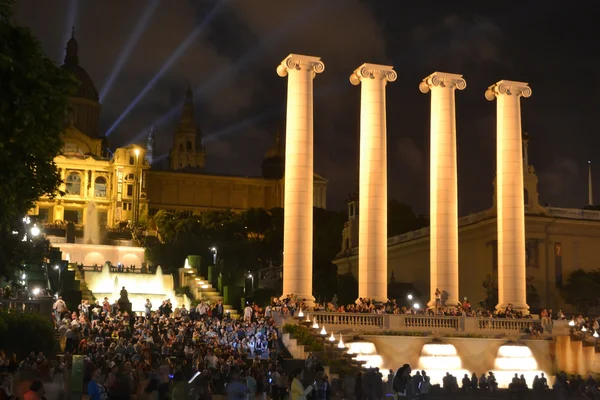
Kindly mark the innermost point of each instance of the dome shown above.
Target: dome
(86, 88)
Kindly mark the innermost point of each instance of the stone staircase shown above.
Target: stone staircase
(86, 293)
(208, 293)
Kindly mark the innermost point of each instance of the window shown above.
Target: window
(127, 206)
(74, 216)
(100, 187)
(43, 214)
(189, 145)
(131, 160)
(130, 177)
(129, 190)
(526, 197)
(73, 186)
(181, 147)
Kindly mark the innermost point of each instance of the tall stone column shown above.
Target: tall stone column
(443, 183)
(298, 187)
(372, 215)
(510, 197)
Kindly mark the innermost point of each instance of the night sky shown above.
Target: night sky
(240, 100)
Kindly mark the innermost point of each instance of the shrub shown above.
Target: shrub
(305, 337)
(22, 333)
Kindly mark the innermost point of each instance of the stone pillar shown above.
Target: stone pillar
(509, 187)
(298, 187)
(443, 183)
(372, 215)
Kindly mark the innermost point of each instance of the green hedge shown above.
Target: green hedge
(305, 337)
(22, 333)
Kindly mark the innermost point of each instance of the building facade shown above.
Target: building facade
(558, 242)
(126, 189)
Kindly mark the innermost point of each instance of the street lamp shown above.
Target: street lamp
(35, 230)
(59, 269)
(251, 281)
(410, 296)
(214, 251)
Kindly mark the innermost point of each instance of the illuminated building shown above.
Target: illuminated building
(126, 187)
(557, 242)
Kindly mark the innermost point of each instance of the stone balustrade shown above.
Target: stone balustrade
(39, 306)
(434, 324)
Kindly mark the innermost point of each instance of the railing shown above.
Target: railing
(420, 322)
(423, 323)
(350, 319)
(574, 213)
(39, 306)
(500, 324)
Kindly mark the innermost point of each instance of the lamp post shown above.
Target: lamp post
(59, 269)
(136, 193)
(214, 251)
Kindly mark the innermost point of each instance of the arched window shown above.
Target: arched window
(189, 146)
(526, 197)
(73, 185)
(100, 187)
(180, 146)
(130, 177)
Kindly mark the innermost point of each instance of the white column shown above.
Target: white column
(443, 183)
(298, 186)
(509, 187)
(372, 215)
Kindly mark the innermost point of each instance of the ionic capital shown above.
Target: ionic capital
(508, 88)
(373, 71)
(299, 62)
(442, 79)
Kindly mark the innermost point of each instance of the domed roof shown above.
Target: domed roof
(86, 88)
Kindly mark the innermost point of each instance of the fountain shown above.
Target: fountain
(514, 359)
(438, 358)
(91, 230)
(367, 352)
(156, 287)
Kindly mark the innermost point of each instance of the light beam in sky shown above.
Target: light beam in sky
(71, 19)
(131, 42)
(181, 49)
(203, 90)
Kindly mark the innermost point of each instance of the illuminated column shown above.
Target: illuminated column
(443, 183)
(372, 216)
(298, 187)
(509, 187)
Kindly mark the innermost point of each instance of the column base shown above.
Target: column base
(522, 307)
(450, 303)
(307, 299)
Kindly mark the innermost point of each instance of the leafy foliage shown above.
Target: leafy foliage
(402, 219)
(304, 336)
(490, 285)
(33, 104)
(22, 333)
(582, 290)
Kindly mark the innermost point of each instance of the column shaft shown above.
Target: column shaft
(510, 199)
(372, 216)
(298, 187)
(443, 187)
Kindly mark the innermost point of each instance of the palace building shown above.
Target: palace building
(558, 242)
(126, 187)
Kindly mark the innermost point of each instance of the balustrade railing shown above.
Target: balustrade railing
(351, 319)
(422, 323)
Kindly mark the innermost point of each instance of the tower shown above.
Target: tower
(84, 104)
(150, 147)
(187, 151)
(273, 165)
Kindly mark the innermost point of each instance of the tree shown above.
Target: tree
(33, 103)
(402, 219)
(490, 285)
(582, 290)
